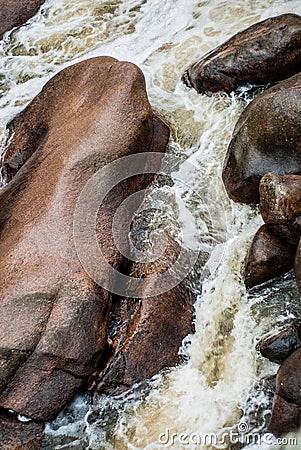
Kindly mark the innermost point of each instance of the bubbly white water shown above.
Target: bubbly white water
(214, 392)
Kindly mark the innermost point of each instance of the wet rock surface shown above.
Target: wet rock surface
(266, 139)
(286, 415)
(53, 315)
(266, 52)
(150, 330)
(298, 266)
(14, 13)
(279, 347)
(268, 257)
(280, 205)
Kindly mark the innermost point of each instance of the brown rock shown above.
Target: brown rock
(280, 205)
(279, 347)
(16, 435)
(151, 329)
(285, 417)
(298, 266)
(14, 13)
(268, 257)
(266, 52)
(286, 414)
(266, 139)
(53, 316)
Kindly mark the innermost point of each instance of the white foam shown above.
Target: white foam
(210, 392)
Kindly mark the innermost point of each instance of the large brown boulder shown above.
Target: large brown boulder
(53, 316)
(268, 257)
(266, 139)
(266, 52)
(286, 414)
(14, 13)
(280, 205)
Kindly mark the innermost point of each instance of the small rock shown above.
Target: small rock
(268, 257)
(280, 205)
(279, 347)
(266, 52)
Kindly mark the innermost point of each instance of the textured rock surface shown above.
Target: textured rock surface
(15, 435)
(52, 315)
(286, 415)
(280, 205)
(298, 266)
(266, 139)
(14, 13)
(152, 328)
(266, 52)
(268, 257)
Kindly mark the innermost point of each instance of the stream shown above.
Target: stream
(214, 398)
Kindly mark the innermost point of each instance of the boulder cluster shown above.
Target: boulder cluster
(61, 332)
(263, 166)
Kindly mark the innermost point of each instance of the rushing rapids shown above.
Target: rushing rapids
(215, 391)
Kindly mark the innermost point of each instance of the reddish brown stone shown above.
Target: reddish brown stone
(286, 415)
(14, 13)
(16, 435)
(280, 205)
(298, 266)
(268, 257)
(266, 52)
(152, 328)
(53, 316)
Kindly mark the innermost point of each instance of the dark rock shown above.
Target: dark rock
(266, 139)
(268, 257)
(285, 417)
(298, 266)
(16, 435)
(152, 327)
(53, 316)
(279, 347)
(286, 414)
(14, 13)
(266, 52)
(280, 205)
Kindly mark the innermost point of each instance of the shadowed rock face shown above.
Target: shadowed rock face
(266, 52)
(298, 266)
(268, 257)
(279, 347)
(266, 139)
(14, 13)
(147, 333)
(53, 316)
(286, 414)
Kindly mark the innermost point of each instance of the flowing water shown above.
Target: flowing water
(215, 391)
